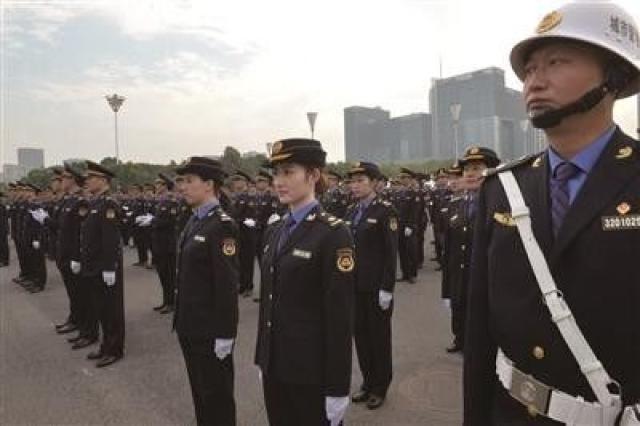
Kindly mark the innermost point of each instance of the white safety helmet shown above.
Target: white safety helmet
(599, 23)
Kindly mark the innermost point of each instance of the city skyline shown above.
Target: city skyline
(199, 77)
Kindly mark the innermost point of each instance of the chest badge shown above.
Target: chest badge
(229, 246)
(624, 152)
(504, 219)
(623, 208)
(345, 262)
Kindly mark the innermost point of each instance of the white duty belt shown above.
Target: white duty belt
(561, 314)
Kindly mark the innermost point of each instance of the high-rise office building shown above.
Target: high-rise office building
(410, 137)
(31, 158)
(365, 134)
(477, 109)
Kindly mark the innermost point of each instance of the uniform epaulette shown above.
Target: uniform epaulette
(524, 160)
(329, 219)
(224, 217)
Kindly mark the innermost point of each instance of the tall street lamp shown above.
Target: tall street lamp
(115, 102)
(455, 114)
(311, 116)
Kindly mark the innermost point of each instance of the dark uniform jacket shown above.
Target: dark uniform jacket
(207, 278)
(376, 240)
(407, 203)
(458, 242)
(68, 225)
(594, 261)
(306, 310)
(163, 237)
(100, 248)
(335, 201)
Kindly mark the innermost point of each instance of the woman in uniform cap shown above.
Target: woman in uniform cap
(206, 311)
(305, 324)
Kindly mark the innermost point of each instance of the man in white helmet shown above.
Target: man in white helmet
(553, 326)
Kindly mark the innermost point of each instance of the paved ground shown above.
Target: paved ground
(42, 381)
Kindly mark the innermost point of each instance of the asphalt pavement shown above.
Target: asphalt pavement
(44, 382)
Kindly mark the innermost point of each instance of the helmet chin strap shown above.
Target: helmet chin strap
(588, 101)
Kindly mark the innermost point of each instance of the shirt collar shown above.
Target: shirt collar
(364, 204)
(204, 209)
(301, 212)
(586, 158)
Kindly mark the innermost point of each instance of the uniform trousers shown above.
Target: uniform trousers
(107, 303)
(247, 255)
(70, 281)
(372, 335)
(211, 382)
(290, 404)
(165, 263)
(408, 253)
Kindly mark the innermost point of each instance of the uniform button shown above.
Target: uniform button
(463, 247)
(271, 297)
(271, 269)
(269, 324)
(464, 228)
(538, 352)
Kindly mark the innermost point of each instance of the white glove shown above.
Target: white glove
(631, 415)
(223, 348)
(129, 213)
(139, 219)
(273, 218)
(446, 303)
(35, 245)
(39, 215)
(384, 299)
(109, 278)
(249, 223)
(146, 220)
(407, 231)
(75, 267)
(336, 408)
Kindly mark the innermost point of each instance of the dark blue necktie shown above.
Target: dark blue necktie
(285, 233)
(560, 200)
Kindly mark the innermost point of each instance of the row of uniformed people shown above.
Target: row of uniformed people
(314, 299)
(84, 227)
(455, 219)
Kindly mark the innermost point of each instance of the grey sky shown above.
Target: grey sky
(200, 75)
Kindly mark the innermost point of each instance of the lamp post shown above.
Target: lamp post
(115, 102)
(524, 125)
(311, 116)
(455, 114)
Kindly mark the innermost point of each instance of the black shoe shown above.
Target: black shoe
(67, 329)
(411, 280)
(35, 289)
(247, 293)
(19, 280)
(438, 268)
(108, 360)
(95, 355)
(76, 338)
(454, 347)
(139, 264)
(167, 309)
(374, 402)
(360, 396)
(63, 324)
(148, 266)
(2, 264)
(399, 280)
(256, 299)
(160, 307)
(83, 343)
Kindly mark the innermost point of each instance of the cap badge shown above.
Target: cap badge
(549, 22)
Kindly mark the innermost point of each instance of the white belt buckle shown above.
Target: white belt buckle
(530, 392)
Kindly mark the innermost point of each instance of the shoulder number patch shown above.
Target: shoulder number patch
(345, 262)
(229, 246)
(110, 214)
